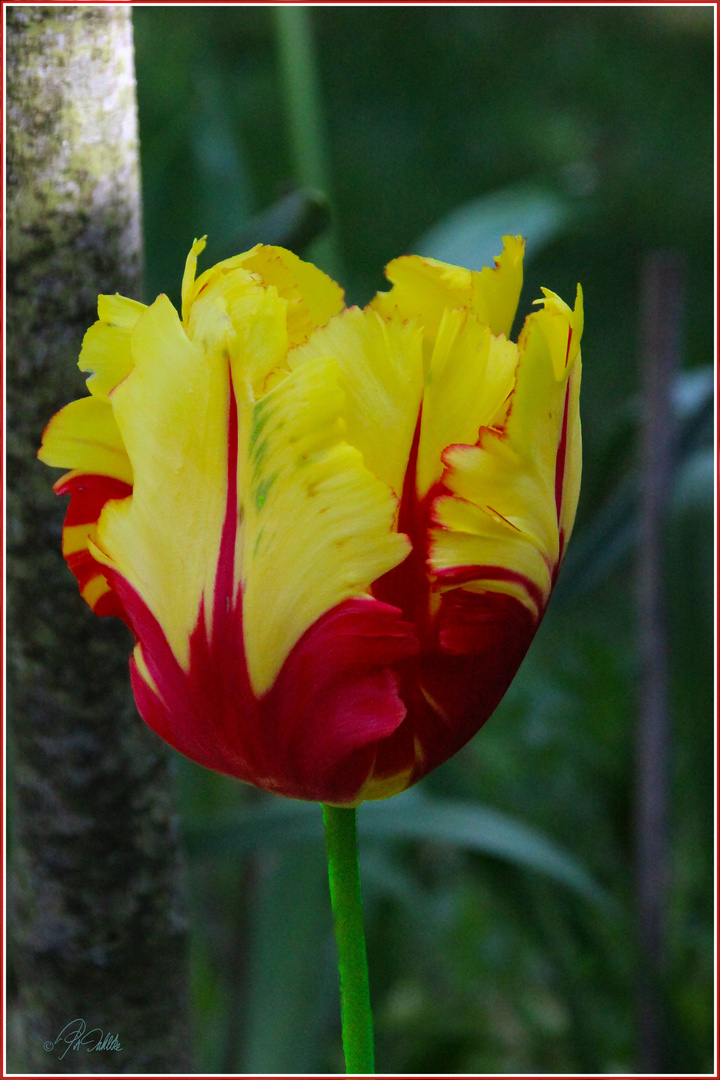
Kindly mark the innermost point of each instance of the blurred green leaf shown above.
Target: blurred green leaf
(475, 828)
(694, 483)
(271, 825)
(611, 534)
(410, 816)
(470, 236)
(291, 934)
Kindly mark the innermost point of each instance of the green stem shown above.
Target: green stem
(344, 873)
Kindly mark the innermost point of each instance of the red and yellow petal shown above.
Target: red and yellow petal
(313, 733)
(172, 411)
(297, 466)
(88, 495)
(470, 377)
(510, 500)
(85, 438)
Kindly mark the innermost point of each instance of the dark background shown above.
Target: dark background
(591, 131)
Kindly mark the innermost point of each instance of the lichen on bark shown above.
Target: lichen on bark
(96, 907)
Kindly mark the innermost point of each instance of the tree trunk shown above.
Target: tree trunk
(97, 915)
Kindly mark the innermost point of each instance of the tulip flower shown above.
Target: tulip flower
(333, 532)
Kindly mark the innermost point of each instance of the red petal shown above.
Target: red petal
(452, 690)
(88, 494)
(313, 735)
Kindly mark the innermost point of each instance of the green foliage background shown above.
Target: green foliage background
(600, 119)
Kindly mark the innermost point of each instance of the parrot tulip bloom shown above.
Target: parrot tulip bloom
(333, 532)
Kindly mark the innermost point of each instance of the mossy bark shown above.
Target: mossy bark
(96, 918)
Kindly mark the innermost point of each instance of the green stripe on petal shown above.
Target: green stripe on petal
(318, 526)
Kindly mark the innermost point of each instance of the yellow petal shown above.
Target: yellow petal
(424, 288)
(294, 465)
(382, 374)
(219, 280)
(496, 478)
(318, 526)
(557, 330)
(189, 289)
(470, 376)
(106, 346)
(384, 787)
(313, 297)
(119, 311)
(172, 411)
(496, 292)
(250, 321)
(571, 473)
(549, 348)
(261, 336)
(84, 435)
